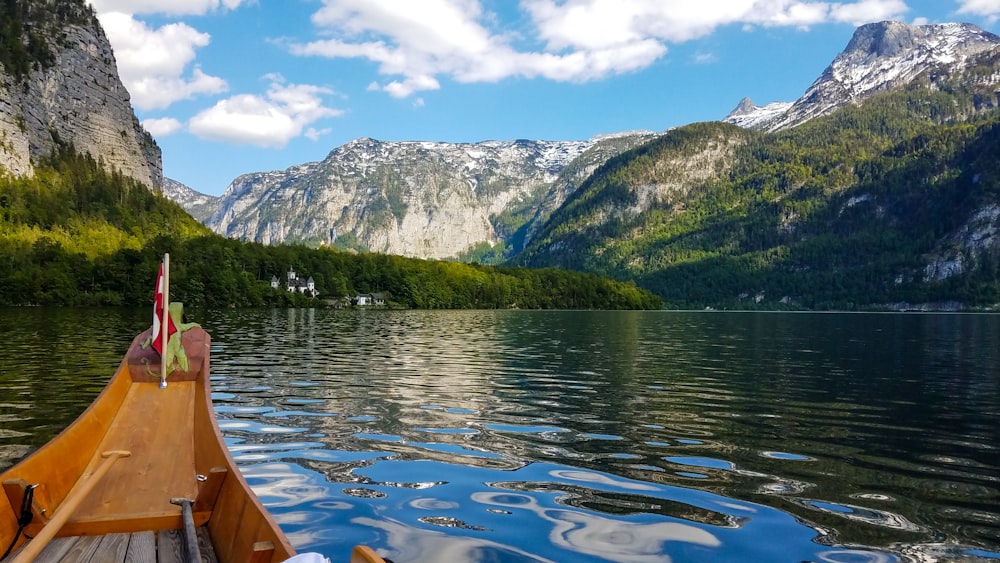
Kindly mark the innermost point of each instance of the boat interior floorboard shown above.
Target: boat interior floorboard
(165, 546)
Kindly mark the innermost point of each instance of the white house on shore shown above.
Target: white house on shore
(296, 284)
(368, 299)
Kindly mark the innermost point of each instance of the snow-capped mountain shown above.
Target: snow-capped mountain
(751, 116)
(438, 200)
(879, 57)
(420, 199)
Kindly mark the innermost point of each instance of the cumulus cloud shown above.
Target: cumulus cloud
(866, 12)
(987, 8)
(161, 127)
(152, 63)
(168, 7)
(271, 120)
(416, 44)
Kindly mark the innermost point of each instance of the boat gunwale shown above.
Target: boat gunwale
(238, 519)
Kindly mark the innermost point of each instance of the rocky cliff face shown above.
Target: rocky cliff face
(199, 205)
(601, 150)
(879, 57)
(75, 97)
(419, 199)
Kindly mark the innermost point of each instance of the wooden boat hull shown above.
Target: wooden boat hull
(174, 450)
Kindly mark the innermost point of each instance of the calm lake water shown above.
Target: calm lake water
(577, 436)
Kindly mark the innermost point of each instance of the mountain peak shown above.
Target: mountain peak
(751, 116)
(882, 39)
(879, 57)
(896, 41)
(885, 55)
(745, 106)
(890, 39)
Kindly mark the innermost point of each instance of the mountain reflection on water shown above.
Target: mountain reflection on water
(578, 436)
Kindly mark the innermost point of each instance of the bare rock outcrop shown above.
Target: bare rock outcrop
(76, 99)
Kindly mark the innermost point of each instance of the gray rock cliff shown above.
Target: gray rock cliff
(200, 206)
(419, 199)
(77, 99)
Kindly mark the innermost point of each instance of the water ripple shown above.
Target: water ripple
(581, 436)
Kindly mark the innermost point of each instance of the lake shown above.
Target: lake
(577, 436)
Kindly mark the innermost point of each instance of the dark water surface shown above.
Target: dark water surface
(577, 436)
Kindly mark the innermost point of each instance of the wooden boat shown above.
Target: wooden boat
(142, 475)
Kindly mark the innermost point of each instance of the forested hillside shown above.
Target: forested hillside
(81, 222)
(897, 200)
(75, 234)
(26, 29)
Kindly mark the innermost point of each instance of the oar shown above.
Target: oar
(66, 509)
(191, 550)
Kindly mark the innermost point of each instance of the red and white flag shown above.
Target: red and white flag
(159, 312)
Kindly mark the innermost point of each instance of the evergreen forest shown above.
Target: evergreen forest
(884, 205)
(76, 234)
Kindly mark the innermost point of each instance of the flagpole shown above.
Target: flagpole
(165, 324)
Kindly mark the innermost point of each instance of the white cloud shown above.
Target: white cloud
(152, 62)
(987, 8)
(314, 134)
(168, 7)
(868, 11)
(270, 121)
(415, 44)
(161, 127)
(412, 84)
(704, 58)
(588, 24)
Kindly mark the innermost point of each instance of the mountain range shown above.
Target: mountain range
(879, 57)
(83, 218)
(879, 187)
(756, 199)
(418, 199)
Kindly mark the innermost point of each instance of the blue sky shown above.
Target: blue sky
(235, 86)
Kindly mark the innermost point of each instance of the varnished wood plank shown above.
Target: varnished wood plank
(250, 540)
(16, 490)
(55, 551)
(208, 492)
(262, 552)
(156, 426)
(229, 516)
(206, 547)
(365, 554)
(173, 436)
(113, 548)
(66, 510)
(124, 523)
(169, 546)
(141, 548)
(73, 447)
(83, 550)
